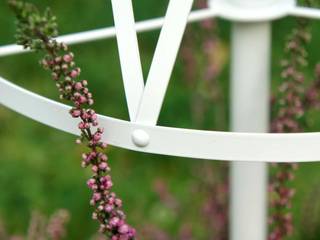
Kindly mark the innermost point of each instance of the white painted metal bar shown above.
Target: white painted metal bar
(305, 12)
(110, 32)
(163, 61)
(197, 144)
(129, 54)
(250, 70)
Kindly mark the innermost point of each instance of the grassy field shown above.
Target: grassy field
(40, 167)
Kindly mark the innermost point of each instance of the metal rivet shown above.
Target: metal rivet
(140, 138)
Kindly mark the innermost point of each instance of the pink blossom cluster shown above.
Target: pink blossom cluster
(281, 195)
(37, 32)
(288, 118)
(56, 225)
(290, 101)
(107, 206)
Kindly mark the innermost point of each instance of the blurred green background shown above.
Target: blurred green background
(40, 167)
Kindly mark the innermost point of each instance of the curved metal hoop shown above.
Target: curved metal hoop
(299, 147)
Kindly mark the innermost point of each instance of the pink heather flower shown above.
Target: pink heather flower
(58, 59)
(83, 125)
(85, 115)
(103, 166)
(75, 113)
(94, 117)
(84, 156)
(123, 229)
(96, 196)
(108, 208)
(104, 145)
(90, 101)
(94, 216)
(103, 157)
(97, 137)
(104, 179)
(114, 221)
(91, 183)
(74, 73)
(92, 155)
(118, 202)
(54, 76)
(78, 86)
(67, 58)
(64, 70)
(85, 90)
(106, 186)
(94, 168)
(100, 208)
(82, 99)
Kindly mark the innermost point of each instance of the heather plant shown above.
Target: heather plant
(203, 56)
(209, 211)
(41, 228)
(288, 116)
(37, 32)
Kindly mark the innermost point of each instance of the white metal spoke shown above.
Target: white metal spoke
(128, 53)
(163, 60)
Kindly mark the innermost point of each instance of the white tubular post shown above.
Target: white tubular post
(249, 113)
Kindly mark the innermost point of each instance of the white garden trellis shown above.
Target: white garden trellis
(248, 145)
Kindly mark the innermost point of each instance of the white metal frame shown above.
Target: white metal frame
(248, 144)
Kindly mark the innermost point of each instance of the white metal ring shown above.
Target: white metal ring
(294, 147)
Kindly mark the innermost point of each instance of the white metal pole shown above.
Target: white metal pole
(249, 113)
